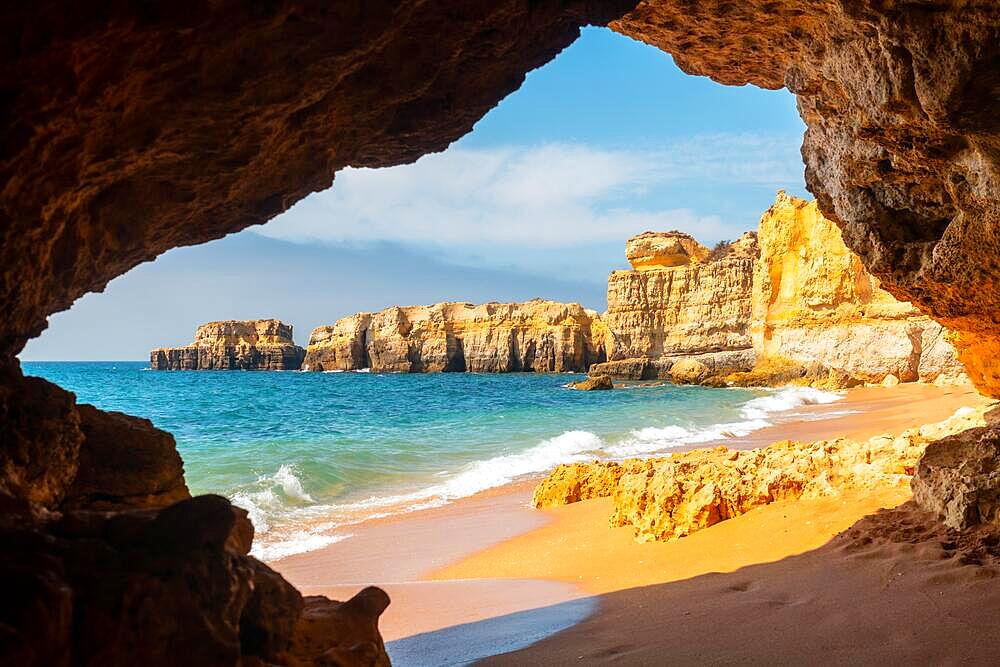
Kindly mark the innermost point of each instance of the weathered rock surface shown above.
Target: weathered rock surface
(129, 129)
(233, 345)
(676, 302)
(124, 463)
(658, 250)
(642, 368)
(672, 497)
(573, 482)
(900, 142)
(813, 301)
(959, 478)
(789, 303)
(146, 586)
(593, 383)
(541, 336)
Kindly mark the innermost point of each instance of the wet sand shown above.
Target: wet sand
(488, 574)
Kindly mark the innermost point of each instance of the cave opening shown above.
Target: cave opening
(95, 537)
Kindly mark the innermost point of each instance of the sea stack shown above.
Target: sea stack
(247, 345)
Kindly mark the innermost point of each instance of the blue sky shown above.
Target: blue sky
(608, 140)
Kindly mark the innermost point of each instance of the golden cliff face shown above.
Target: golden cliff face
(537, 335)
(813, 301)
(677, 301)
(234, 345)
(791, 301)
(658, 250)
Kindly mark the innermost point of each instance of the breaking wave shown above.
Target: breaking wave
(288, 521)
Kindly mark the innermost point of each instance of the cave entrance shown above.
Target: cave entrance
(128, 134)
(607, 141)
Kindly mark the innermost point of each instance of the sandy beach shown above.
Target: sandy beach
(488, 575)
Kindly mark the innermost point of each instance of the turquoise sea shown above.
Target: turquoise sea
(310, 454)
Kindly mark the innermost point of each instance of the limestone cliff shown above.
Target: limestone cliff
(673, 497)
(537, 335)
(789, 303)
(813, 301)
(234, 345)
(679, 301)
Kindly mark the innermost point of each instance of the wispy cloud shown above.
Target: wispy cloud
(545, 196)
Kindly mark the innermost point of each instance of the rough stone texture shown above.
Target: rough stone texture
(147, 586)
(659, 250)
(541, 336)
(672, 497)
(246, 345)
(689, 307)
(341, 633)
(813, 301)
(718, 363)
(959, 478)
(778, 372)
(573, 482)
(40, 438)
(124, 462)
(130, 128)
(791, 293)
(593, 383)
(901, 145)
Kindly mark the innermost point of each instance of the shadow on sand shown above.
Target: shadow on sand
(895, 588)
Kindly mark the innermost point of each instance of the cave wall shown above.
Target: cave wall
(128, 129)
(131, 128)
(902, 146)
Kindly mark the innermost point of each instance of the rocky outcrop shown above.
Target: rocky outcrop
(814, 302)
(959, 478)
(541, 336)
(573, 482)
(789, 303)
(659, 250)
(593, 383)
(124, 463)
(676, 302)
(672, 497)
(106, 165)
(899, 142)
(246, 345)
(106, 558)
(145, 586)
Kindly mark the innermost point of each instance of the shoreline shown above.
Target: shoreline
(459, 570)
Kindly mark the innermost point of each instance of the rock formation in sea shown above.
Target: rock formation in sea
(246, 345)
(133, 128)
(788, 303)
(671, 497)
(541, 336)
(593, 383)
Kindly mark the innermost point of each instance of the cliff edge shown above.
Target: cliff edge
(538, 335)
(234, 345)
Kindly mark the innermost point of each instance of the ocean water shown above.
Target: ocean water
(311, 454)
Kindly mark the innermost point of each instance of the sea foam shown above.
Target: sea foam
(288, 521)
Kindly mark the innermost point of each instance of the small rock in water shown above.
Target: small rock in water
(594, 383)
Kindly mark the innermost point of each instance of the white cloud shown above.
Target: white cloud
(546, 196)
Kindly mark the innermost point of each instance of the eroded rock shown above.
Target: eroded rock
(540, 336)
(672, 497)
(959, 478)
(233, 345)
(593, 383)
